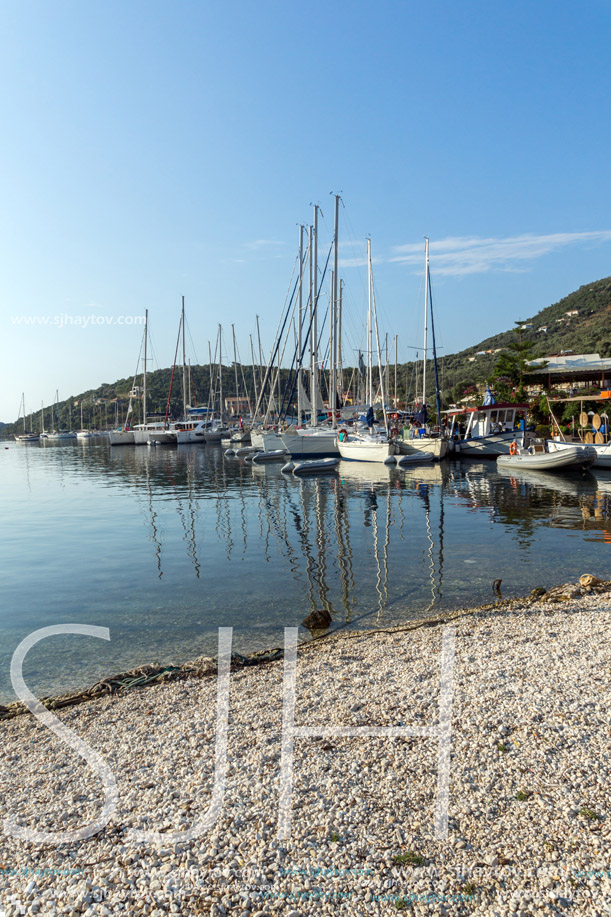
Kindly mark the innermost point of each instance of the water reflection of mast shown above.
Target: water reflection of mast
(305, 540)
(321, 541)
(435, 575)
(344, 551)
(188, 530)
(192, 550)
(371, 519)
(223, 512)
(153, 514)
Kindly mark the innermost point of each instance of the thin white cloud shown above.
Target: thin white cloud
(472, 255)
(261, 243)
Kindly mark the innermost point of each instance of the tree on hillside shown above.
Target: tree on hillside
(514, 363)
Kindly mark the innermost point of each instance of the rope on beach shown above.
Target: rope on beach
(148, 675)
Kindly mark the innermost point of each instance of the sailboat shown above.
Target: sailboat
(124, 436)
(371, 446)
(56, 435)
(83, 434)
(420, 438)
(25, 437)
(314, 441)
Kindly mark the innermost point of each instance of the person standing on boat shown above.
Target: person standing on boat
(369, 418)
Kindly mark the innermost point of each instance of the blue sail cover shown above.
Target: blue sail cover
(488, 397)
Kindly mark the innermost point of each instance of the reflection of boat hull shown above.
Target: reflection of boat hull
(433, 444)
(557, 457)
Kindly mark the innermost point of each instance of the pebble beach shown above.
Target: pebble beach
(528, 815)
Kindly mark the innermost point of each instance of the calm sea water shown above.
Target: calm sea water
(165, 545)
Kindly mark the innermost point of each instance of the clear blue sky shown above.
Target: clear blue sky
(151, 150)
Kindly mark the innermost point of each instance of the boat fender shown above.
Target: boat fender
(513, 449)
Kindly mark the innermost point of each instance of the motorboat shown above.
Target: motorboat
(547, 455)
(190, 431)
(489, 431)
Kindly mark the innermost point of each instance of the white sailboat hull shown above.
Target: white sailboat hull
(366, 451)
(121, 437)
(436, 445)
(306, 445)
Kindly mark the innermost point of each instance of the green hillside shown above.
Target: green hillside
(586, 330)
(589, 331)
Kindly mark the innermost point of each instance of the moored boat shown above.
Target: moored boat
(316, 466)
(547, 455)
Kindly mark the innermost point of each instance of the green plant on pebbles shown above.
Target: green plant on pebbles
(414, 859)
(589, 814)
(334, 837)
(401, 904)
(469, 888)
(502, 746)
(523, 795)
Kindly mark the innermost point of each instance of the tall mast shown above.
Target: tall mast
(235, 366)
(369, 391)
(211, 382)
(299, 331)
(146, 324)
(314, 382)
(333, 318)
(221, 375)
(340, 361)
(396, 402)
(184, 363)
(426, 315)
(254, 374)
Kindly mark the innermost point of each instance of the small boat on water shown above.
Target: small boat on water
(415, 458)
(547, 455)
(274, 455)
(315, 466)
